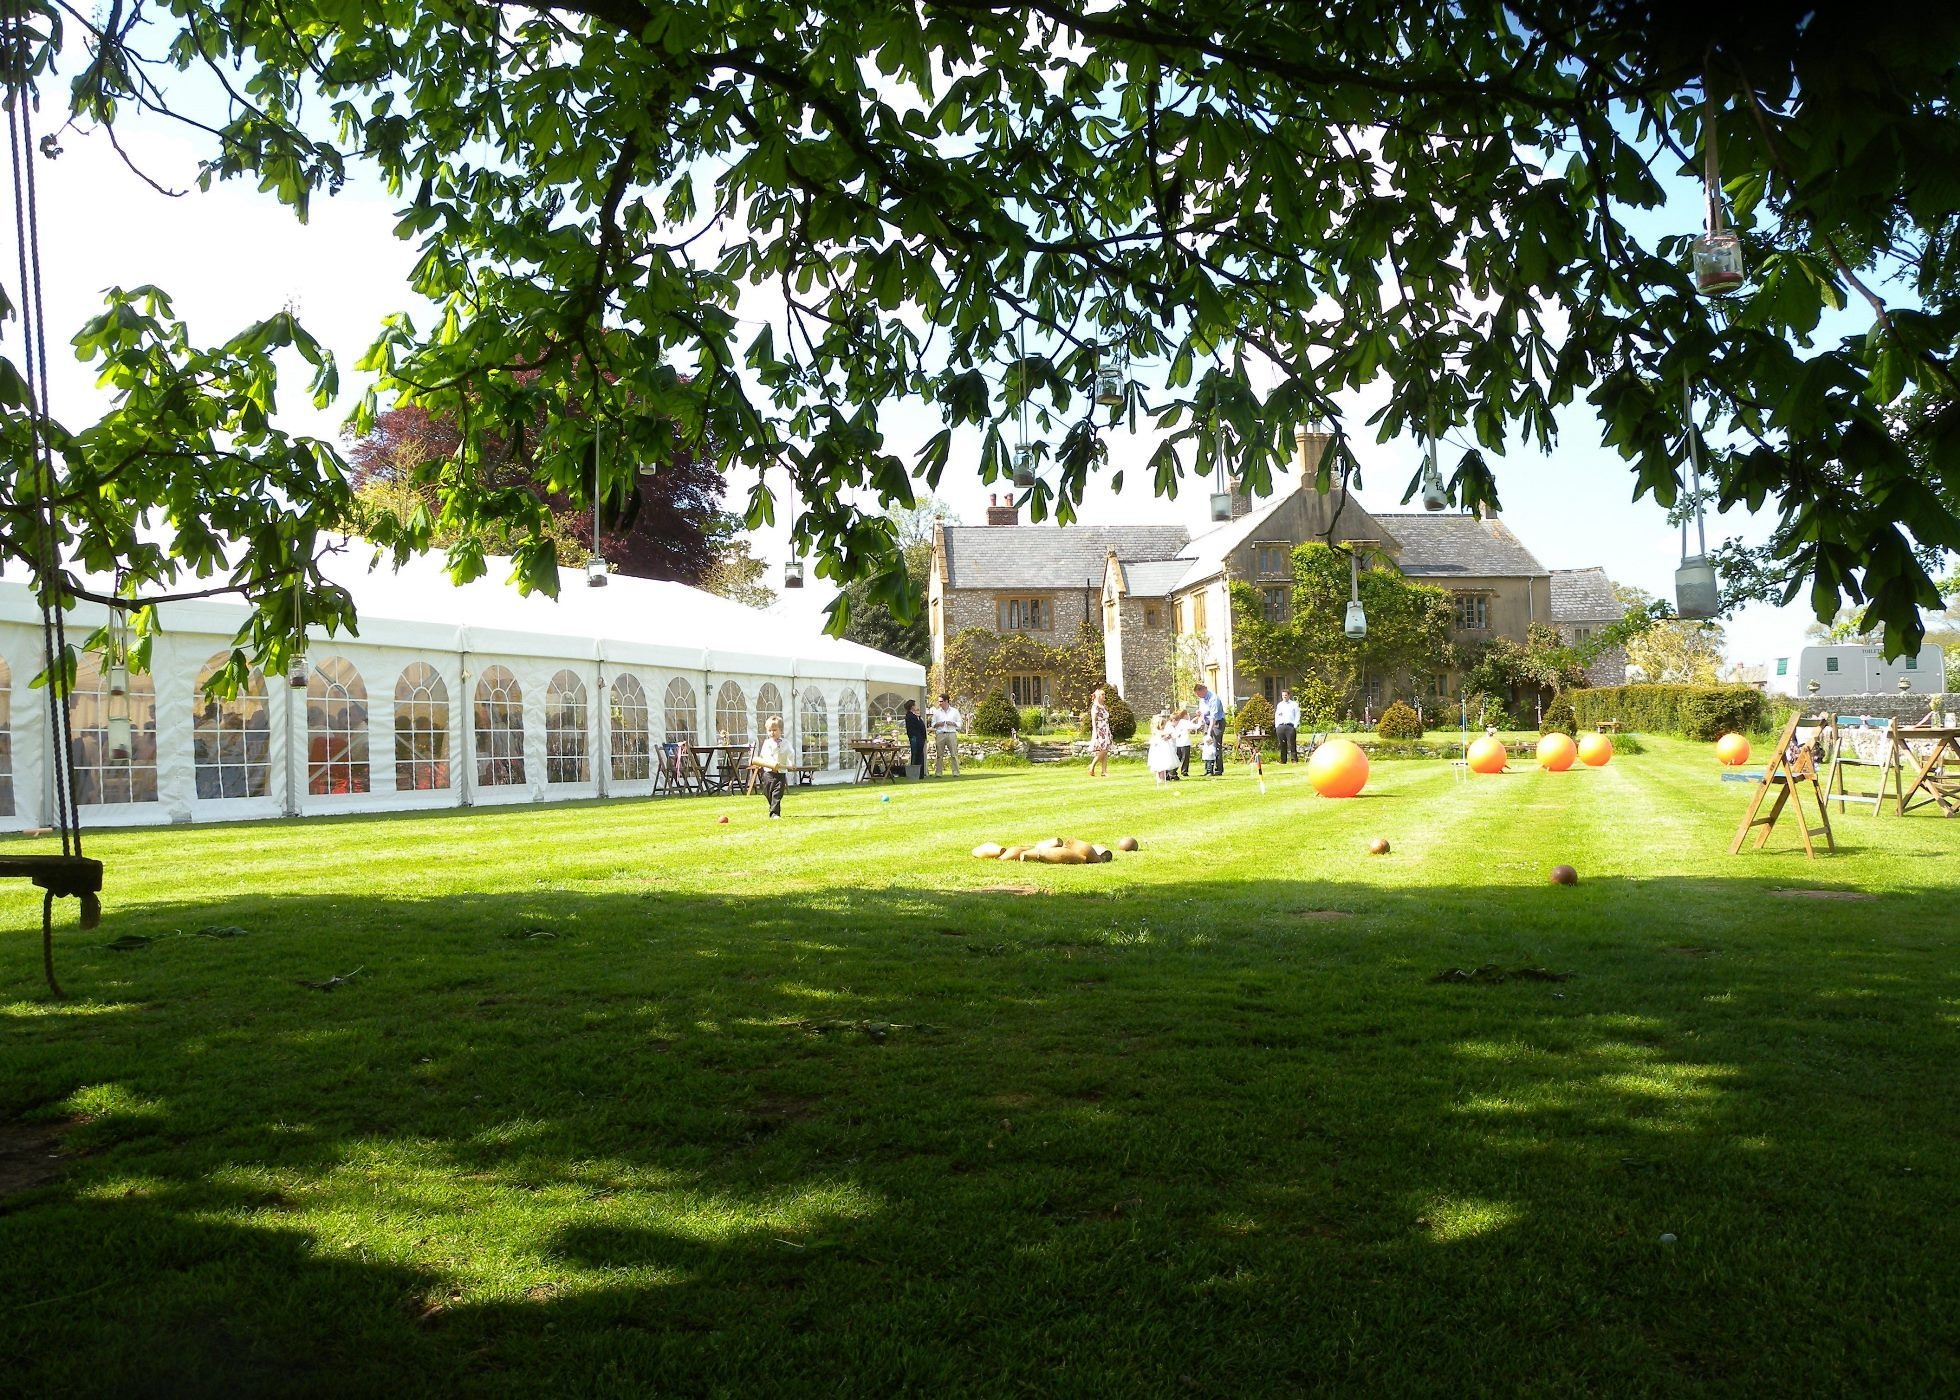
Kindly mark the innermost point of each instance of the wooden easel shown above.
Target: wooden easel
(1792, 765)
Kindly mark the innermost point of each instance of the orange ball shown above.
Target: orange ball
(1732, 749)
(1487, 755)
(1556, 752)
(1595, 750)
(1338, 768)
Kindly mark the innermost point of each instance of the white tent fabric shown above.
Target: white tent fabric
(447, 696)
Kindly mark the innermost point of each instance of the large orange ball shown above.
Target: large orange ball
(1556, 752)
(1595, 750)
(1338, 768)
(1487, 755)
(1732, 749)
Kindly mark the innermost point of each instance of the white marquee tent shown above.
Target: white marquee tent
(448, 696)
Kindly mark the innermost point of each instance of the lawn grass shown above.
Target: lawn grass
(622, 1101)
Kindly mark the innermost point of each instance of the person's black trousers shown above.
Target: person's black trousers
(1289, 743)
(919, 759)
(1183, 760)
(772, 788)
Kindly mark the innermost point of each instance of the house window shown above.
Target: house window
(1472, 614)
(1198, 612)
(1153, 616)
(1269, 688)
(1782, 665)
(1274, 600)
(1912, 663)
(1579, 634)
(1025, 614)
(1830, 663)
(1270, 560)
(1025, 691)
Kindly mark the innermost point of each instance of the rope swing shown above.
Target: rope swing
(70, 874)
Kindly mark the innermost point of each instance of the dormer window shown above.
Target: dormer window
(1271, 560)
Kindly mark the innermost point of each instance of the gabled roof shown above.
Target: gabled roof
(1153, 578)
(1209, 551)
(1584, 595)
(1443, 545)
(1049, 556)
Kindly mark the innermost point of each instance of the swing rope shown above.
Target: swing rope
(72, 873)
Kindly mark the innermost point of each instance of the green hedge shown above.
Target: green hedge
(1701, 712)
(996, 716)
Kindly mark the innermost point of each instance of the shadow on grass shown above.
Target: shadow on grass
(1194, 1138)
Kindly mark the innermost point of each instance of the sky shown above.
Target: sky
(231, 256)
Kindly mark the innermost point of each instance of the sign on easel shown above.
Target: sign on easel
(1792, 767)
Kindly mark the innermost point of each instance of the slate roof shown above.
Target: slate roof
(1153, 578)
(1050, 556)
(1442, 545)
(1584, 595)
(1208, 551)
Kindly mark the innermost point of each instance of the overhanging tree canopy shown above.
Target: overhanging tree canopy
(973, 204)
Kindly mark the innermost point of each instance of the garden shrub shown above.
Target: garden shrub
(1700, 712)
(1486, 710)
(1256, 713)
(1033, 720)
(1320, 704)
(996, 715)
(1400, 721)
(1559, 718)
(1122, 719)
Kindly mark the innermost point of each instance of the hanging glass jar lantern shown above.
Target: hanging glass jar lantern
(596, 570)
(1717, 253)
(793, 572)
(1221, 505)
(119, 735)
(1357, 616)
(1025, 457)
(1696, 594)
(1433, 496)
(1112, 383)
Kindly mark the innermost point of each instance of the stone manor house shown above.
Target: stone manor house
(1158, 591)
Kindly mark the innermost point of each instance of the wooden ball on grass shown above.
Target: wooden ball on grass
(1378, 847)
(1127, 843)
(1564, 875)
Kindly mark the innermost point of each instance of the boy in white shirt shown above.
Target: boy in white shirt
(772, 765)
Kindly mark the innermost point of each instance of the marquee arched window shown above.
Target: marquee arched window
(768, 705)
(499, 729)
(682, 717)
(850, 719)
(564, 730)
(732, 714)
(421, 729)
(6, 741)
(231, 737)
(336, 729)
(631, 760)
(101, 778)
(887, 708)
(814, 729)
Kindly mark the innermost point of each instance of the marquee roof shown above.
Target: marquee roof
(631, 620)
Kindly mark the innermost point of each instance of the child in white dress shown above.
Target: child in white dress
(1163, 749)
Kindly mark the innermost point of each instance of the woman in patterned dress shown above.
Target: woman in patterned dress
(1099, 741)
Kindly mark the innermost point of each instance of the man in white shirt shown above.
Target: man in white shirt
(1286, 725)
(945, 720)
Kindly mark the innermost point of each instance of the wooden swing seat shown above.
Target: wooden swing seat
(67, 877)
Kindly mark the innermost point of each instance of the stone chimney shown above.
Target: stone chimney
(1241, 498)
(1001, 510)
(1310, 447)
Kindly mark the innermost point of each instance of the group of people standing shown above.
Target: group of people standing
(942, 723)
(1174, 735)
